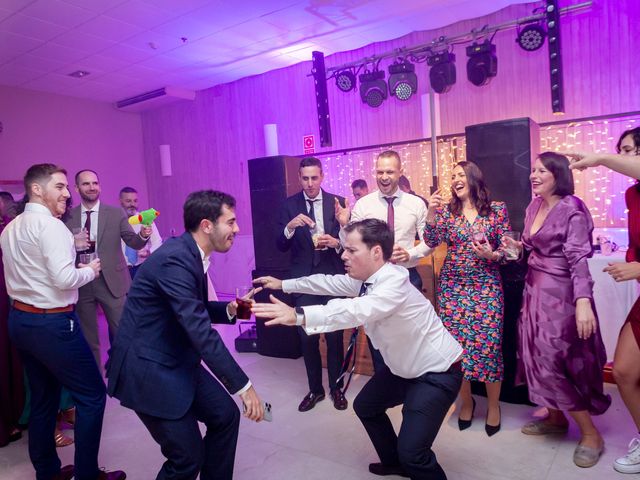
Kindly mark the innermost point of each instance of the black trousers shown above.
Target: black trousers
(186, 451)
(311, 350)
(426, 400)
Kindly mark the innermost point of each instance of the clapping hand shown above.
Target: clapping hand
(342, 214)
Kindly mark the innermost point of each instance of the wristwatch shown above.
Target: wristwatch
(299, 315)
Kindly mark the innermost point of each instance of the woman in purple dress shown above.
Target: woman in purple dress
(561, 354)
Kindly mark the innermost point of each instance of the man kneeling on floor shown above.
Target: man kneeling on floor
(422, 358)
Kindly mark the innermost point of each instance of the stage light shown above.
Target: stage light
(442, 74)
(531, 37)
(555, 57)
(403, 81)
(373, 88)
(345, 80)
(482, 65)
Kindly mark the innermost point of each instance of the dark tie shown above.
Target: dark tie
(312, 216)
(87, 227)
(390, 214)
(351, 349)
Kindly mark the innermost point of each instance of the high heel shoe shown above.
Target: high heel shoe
(464, 424)
(493, 429)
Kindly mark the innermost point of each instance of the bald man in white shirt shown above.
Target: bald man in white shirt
(422, 359)
(41, 277)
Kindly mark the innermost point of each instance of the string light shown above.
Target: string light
(601, 189)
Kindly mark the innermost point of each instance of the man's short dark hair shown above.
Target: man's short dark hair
(359, 183)
(204, 204)
(374, 232)
(391, 154)
(82, 171)
(558, 165)
(310, 162)
(40, 174)
(127, 190)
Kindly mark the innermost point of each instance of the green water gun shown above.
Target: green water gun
(145, 218)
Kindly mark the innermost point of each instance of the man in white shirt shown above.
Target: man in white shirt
(38, 257)
(129, 203)
(404, 213)
(422, 359)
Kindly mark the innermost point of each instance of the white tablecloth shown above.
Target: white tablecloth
(613, 300)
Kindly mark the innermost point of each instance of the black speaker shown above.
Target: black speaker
(504, 151)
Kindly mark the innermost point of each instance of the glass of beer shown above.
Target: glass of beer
(244, 297)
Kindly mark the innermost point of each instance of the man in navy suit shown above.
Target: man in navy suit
(308, 228)
(165, 332)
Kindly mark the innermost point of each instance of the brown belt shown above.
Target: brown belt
(25, 307)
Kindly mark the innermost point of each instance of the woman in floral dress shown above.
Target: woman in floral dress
(470, 296)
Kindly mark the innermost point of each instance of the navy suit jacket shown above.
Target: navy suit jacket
(165, 332)
(301, 243)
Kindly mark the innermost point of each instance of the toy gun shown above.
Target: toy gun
(146, 217)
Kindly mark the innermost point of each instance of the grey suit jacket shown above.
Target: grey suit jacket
(112, 227)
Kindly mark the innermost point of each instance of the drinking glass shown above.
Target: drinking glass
(512, 253)
(244, 297)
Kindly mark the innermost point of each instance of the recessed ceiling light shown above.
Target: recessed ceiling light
(79, 73)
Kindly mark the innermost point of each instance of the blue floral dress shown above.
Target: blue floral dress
(470, 296)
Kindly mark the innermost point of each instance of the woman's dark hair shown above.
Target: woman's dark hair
(558, 165)
(205, 204)
(478, 191)
(374, 232)
(635, 134)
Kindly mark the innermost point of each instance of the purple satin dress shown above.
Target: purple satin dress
(562, 371)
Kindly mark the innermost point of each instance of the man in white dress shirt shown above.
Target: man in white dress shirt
(129, 203)
(404, 213)
(422, 359)
(41, 277)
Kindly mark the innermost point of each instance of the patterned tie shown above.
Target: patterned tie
(390, 214)
(352, 349)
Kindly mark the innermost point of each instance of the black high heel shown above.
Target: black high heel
(493, 429)
(464, 424)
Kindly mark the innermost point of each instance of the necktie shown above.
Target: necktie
(312, 216)
(87, 227)
(390, 214)
(312, 212)
(352, 349)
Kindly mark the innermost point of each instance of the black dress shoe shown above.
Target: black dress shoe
(309, 401)
(492, 429)
(464, 424)
(339, 401)
(66, 473)
(115, 475)
(381, 469)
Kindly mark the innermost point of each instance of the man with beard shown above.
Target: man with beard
(307, 227)
(129, 203)
(43, 282)
(106, 226)
(404, 213)
(155, 366)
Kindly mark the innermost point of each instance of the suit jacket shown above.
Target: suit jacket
(301, 243)
(165, 332)
(112, 227)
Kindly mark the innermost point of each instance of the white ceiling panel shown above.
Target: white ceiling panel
(134, 46)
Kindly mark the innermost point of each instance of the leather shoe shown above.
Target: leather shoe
(383, 470)
(309, 401)
(493, 429)
(115, 475)
(66, 473)
(339, 401)
(464, 424)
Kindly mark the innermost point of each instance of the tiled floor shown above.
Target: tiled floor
(328, 444)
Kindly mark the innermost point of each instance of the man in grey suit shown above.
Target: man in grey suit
(106, 226)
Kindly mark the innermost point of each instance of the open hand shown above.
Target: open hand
(279, 312)
(342, 214)
(585, 318)
(270, 283)
(621, 271)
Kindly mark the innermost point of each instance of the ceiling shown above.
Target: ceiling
(135, 46)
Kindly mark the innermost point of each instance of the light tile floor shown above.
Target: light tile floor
(328, 444)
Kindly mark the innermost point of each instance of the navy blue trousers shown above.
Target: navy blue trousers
(426, 401)
(55, 354)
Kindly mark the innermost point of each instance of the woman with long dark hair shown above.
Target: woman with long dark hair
(561, 354)
(470, 296)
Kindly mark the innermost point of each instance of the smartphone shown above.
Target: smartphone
(268, 417)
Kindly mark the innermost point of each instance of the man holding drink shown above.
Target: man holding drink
(309, 230)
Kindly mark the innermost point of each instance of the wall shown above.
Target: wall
(213, 137)
(75, 133)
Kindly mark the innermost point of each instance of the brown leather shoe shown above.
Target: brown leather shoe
(309, 401)
(115, 475)
(66, 473)
(339, 401)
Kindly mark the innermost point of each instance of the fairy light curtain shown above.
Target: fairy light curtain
(600, 188)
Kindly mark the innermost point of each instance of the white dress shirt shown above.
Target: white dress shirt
(154, 242)
(39, 260)
(317, 212)
(409, 219)
(400, 322)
